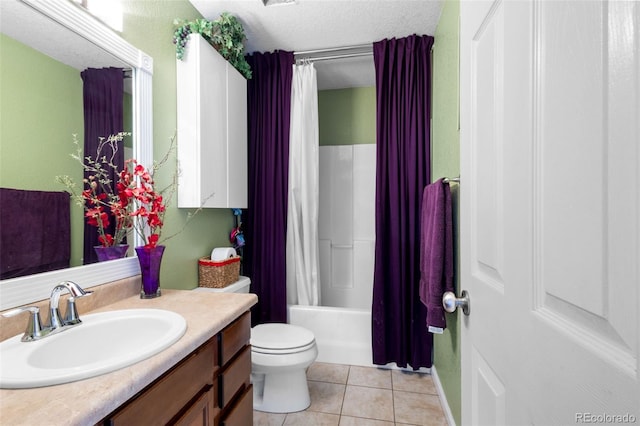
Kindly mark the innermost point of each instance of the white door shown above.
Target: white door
(550, 211)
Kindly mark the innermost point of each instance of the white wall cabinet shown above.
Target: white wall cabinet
(212, 129)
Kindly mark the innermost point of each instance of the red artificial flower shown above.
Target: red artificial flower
(106, 240)
(142, 211)
(96, 217)
(134, 200)
(154, 220)
(153, 240)
(106, 189)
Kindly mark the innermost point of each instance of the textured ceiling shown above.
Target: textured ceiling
(305, 25)
(322, 24)
(21, 22)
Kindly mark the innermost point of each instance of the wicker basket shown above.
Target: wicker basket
(218, 274)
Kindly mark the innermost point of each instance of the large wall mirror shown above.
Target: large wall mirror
(67, 33)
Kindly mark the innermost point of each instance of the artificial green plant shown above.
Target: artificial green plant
(225, 34)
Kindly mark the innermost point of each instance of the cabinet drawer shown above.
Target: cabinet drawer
(235, 376)
(242, 413)
(234, 337)
(166, 397)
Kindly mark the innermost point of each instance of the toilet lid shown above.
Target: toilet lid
(280, 337)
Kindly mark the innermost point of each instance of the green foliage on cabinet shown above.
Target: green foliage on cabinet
(225, 34)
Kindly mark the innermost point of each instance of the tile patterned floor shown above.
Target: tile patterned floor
(343, 395)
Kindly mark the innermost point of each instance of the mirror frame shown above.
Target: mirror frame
(32, 288)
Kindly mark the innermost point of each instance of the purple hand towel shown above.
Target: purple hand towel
(35, 232)
(436, 252)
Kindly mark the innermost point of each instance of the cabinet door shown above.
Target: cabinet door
(202, 121)
(212, 124)
(168, 396)
(242, 412)
(236, 139)
(201, 413)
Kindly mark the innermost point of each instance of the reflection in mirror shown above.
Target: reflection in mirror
(50, 92)
(45, 43)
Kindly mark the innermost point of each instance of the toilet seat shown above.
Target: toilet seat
(269, 351)
(280, 339)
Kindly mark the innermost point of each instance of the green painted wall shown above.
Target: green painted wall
(347, 116)
(446, 162)
(148, 25)
(40, 110)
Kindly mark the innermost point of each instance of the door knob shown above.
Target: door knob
(450, 302)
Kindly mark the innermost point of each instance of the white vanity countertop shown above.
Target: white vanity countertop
(86, 402)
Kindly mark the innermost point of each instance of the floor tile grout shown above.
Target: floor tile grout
(362, 386)
(344, 396)
(374, 387)
(393, 402)
(345, 385)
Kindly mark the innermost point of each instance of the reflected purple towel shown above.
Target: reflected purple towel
(35, 232)
(436, 251)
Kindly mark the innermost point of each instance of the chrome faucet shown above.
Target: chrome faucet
(55, 324)
(55, 321)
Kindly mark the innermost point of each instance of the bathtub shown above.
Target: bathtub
(343, 335)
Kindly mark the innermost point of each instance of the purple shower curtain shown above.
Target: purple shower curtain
(103, 94)
(265, 220)
(403, 93)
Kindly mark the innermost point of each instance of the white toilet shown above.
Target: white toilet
(280, 355)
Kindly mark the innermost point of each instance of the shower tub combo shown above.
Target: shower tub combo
(346, 232)
(343, 335)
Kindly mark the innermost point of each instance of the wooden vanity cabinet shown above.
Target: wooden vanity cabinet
(210, 387)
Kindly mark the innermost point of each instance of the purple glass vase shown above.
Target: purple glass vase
(112, 252)
(150, 259)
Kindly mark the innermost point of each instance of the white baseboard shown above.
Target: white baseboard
(443, 398)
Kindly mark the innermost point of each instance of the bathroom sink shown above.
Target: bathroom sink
(103, 343)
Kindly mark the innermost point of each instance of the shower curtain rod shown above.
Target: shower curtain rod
(334, 53)
(328, 58)
(334, 49)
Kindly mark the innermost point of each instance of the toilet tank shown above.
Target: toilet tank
(240, 286)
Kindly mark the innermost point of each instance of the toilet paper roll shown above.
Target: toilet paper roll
(222, 253)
